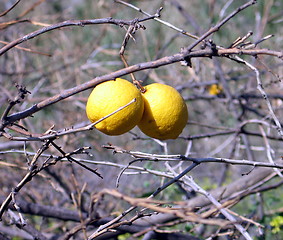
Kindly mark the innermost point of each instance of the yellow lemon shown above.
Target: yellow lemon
(215, 89)
(165, 112)
(109, 96)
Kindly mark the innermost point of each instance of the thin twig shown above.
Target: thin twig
(25, 12)
(28, 177)
(10, 9)
(264, 95)
(158, 157)
(28, 50)
(102, 229)
(220, 24)
(190, 182)
(55, 134)
(71, 159)
(80, 23)
(157, 19)
(134, 68)
(269, 150)
(230, 217)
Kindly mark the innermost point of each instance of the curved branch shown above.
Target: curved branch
(239, 188)
(134, 68)
(10, 9)
(80, 23)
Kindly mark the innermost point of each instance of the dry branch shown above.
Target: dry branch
(10, 9)
(240, 187)
(141, 156)
(138, 67)
(199, 209)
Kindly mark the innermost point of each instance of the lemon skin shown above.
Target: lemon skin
(165, 112)
(109, 96)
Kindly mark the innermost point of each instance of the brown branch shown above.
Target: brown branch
(104, 228)
(134, 68)
(25, 12)
(156, 17)
(8, 10)
(51, 134)
(12, 22)
(158, 157)
(71, 159)
(80, 23)
(251, 52)
(157, 206)
(233, 190)
(220, 24)
(28, 49)
(27, 178)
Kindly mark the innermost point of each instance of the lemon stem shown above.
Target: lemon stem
(135, 81)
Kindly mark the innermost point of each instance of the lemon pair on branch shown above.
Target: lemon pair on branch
(160, 111)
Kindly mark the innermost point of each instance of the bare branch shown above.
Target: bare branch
(80, 23)
(10, 9)
(157, 157)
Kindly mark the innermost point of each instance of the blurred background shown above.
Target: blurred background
(224, 105)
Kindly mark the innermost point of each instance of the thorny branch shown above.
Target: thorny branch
(134, 68)
(33, 170)
(190, 182)
(184, 55)
(264, 95)
(80, 23)
(209, 49)
(220, 24)
(140, 156)
(157, 18)
(51, 134)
